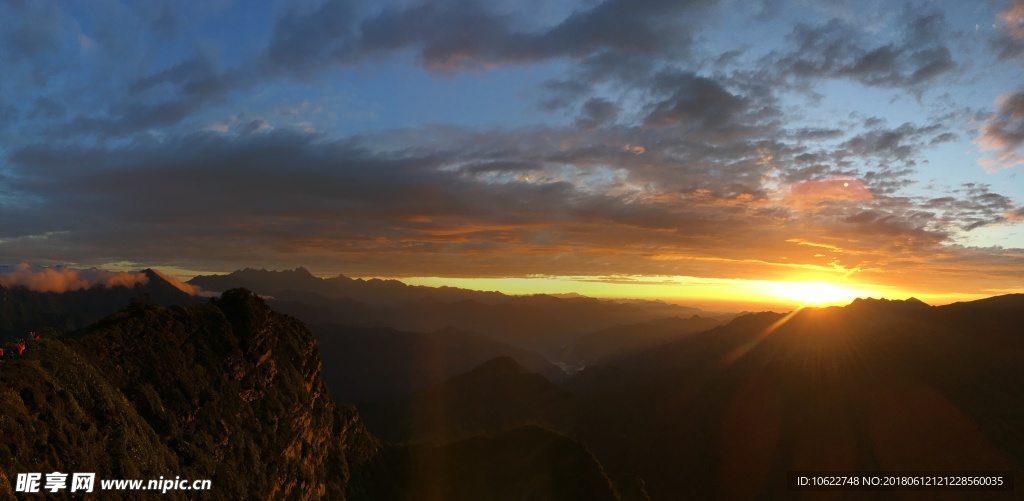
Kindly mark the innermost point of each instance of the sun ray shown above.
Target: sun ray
(745, 348)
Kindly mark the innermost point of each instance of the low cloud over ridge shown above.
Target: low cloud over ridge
(60, 279)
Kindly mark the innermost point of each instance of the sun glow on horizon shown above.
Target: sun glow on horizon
(815, 293)
(729, 294)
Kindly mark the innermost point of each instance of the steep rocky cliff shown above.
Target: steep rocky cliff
(229, 391)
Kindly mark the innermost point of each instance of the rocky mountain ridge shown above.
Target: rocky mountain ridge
(229, 391)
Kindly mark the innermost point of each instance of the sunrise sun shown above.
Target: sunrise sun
(813, 293)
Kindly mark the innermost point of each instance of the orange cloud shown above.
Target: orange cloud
(62, 279)
(813, 244)
(125, 280)
(807, 194)
(635, 149)
(1013, 20)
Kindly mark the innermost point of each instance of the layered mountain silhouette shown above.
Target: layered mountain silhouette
(367, 365)
(665, 408)
(621, 340)
(874, 386)
(541, 322)
(374, 292)
(232, 391)
(495, 396)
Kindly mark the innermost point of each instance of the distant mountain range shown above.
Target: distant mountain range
(287, 284)
(666, 406)
(539, 322)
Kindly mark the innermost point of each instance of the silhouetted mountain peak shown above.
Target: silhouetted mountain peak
(912, 302)
(168, 288)
(245, 309)
(156, 279)
(754, 319)
(499, 366)
(241, 297)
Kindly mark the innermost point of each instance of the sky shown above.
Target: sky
(620, 148)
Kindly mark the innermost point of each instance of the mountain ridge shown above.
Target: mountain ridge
(724, 413)
(539, 322)
(232, 391)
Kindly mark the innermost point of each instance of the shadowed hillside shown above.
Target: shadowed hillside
(233, 392)
(217, 391)
(380, 364)
(621, 340)
(873, 386)
(524, 463)
(495, 396)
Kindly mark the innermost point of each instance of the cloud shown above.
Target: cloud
(1002, 135)
(808, 194)
(165, 22)
(660, 144)
(453, 35)
(60, 279)
(969, 207)
(183, 74)
(899, 143)
(1012, 19)
(8, 114)
(193, 85)
(36, 29)
(695, 100)
(1009, 40)
(838, 49)
(47, 108)
(446, 36)
(635, 149)
(456, 35)
(303, 40)
(460, 202)
(596, 112)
